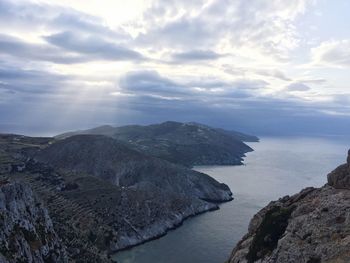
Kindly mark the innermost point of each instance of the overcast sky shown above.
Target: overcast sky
(258, 66)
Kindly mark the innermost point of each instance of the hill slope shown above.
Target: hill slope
(112, 161)
(188, 144)
(103, 196)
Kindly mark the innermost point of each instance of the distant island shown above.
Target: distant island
(82, 195)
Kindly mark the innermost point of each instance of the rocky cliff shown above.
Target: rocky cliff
(103, 196)
(153, 195)
(312, 226)
(27, 233)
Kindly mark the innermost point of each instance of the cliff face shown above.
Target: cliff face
(310, 227)
(27, 233)
(137, 197)
(103, 196)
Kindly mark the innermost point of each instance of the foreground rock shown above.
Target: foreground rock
(188, 144)
(310, 227)
(27, 233)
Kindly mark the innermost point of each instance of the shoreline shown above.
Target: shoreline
(175, 226)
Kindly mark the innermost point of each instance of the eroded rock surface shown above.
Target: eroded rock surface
(27, 233)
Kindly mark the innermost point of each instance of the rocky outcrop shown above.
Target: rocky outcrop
(187, 144)
(27, 233)
(312, 226)
(340, 177)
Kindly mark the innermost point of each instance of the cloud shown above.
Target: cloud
(195, 55)
(18, 80)
(265, 26)
(334, 53)
(23, 16)
(273, 73)
(298, 86)
(95, 47)
(73, 20)
(224, 62)
(150, 83)
(68, 49)
(22, 50)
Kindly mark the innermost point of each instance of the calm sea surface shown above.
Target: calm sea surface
(277, 167)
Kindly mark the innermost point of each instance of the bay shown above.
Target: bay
(277, 167)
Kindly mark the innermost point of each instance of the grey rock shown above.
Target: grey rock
(27, 233)
(340, 177)
(310, 227)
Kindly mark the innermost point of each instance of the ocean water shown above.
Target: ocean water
(277, 167)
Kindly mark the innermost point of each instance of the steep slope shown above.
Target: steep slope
(27, 233)
(183, 143)
(103, 196)
(310, 227)
(109, 160)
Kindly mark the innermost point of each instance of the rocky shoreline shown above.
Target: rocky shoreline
(174, 225)
(312, 226)
(102, 196)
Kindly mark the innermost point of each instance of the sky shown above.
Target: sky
(258, 66)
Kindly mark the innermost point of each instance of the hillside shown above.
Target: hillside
(188, 144)
(103, 196)
(27, 233)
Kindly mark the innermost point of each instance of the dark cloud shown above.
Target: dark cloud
(298, 86)
(22, 50)
(150, 83)
(24, 15)
(234, 110)
(68, 50)
(18, 80)
(195, 55)
(95, 47)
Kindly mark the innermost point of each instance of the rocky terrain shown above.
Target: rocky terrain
(27, 233)
(312, 226)
(188, 144)
(102, 196)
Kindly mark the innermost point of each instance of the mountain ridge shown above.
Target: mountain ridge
(188, 144)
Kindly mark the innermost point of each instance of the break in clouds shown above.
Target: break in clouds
(261, 66)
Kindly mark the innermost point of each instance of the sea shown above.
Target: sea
(278, 166)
